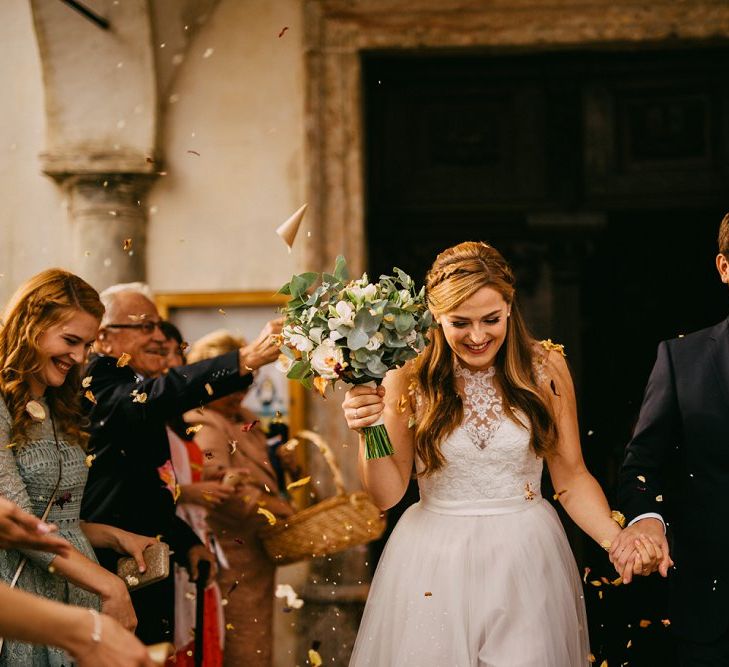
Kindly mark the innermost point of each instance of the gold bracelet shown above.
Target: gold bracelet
(618, 517)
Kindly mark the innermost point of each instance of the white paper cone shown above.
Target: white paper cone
(288, 230)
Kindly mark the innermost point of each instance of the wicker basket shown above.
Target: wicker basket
(332, 525)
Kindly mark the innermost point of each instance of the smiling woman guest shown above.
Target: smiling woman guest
(48, 328)
(489, 406)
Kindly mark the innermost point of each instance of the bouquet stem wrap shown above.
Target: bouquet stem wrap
(377, 441)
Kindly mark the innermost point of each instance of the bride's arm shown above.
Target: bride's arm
(387, 478)
(580, 494)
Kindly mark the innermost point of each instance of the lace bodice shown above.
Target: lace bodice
(488, 455)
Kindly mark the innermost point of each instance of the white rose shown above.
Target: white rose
(283, 363)
(301, 342)
(325, 358)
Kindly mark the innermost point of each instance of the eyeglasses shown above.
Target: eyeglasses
(145, 327)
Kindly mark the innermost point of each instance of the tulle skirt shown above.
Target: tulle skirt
(485, 584)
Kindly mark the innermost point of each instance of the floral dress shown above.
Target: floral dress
(28, 476)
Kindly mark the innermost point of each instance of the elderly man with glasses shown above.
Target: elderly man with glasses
(131, 483)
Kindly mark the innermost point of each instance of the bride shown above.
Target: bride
(479, 573)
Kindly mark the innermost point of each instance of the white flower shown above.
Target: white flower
(375, 342)
(315, 333)
(325, 358)
(335, 335)
(360, 294)
(301, 342)
(346, 316)
(284, 363)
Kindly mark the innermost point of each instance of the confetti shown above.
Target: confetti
(62, 500)
(641, 478)
(666, 622)
(123, 360)
(89, 396)
(178, 492)
(149, 160)
(550, 346)
(233, 446)
(645, 623)
(606, 544)
(221, 311)
(193, 153)
(35, 410)
(86, 382)
(428, 594)
(10, 446)
(51, 569)
(229, 626)
(412, 421)
(528, 493)
(89, 460)
(208, 52)
(618, 517)
(299, 482)
(591, 658)
(557, 495)
(139, 397)
(292, 599)
(283, 30)
(209, 389)
(127, 245)
(209, 455)
(248, 427)
(269, 516)
(596, 583)
(584, 578)
(193, 429)
(314, 658)
(659, 499)
(131, 580)
(402, 404)
(604, 663)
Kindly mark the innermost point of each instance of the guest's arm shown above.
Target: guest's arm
(103, 536)
(36, 620)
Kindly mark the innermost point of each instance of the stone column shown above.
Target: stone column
(109, 221)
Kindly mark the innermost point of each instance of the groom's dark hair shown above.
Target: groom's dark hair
(724, 236)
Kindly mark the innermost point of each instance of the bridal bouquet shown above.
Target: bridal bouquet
(352, 330)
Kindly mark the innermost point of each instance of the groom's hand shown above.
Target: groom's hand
(641, 549)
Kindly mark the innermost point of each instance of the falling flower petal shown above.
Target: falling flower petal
(644, 623)
(402, 404)
(320, 384)
(127, 245)
(123, 360)
(86, 382)
(299, 482)
(221, 311)
(314, 658)
(248, 427)
(233, 446)
(138, 397)
(131, 580)
(271, 518)
(584, 578)
(193, 153)
(557, 495)
(283, 30)
(35, 410)
(292, 599)
(229, 626)
(89, 460)
(659, 499)
(428, 594)
(209, 389)
(89, 395)
(641, 478)
(193, 429)
(412, 421)
(606, 544)
(666, 622)
(178, 492)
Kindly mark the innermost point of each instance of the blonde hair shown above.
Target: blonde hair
(44, 301)
(458, 273)
(214, 344)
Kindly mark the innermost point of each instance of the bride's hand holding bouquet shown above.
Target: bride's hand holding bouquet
(355, 331)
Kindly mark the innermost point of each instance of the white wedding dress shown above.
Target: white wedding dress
(479, 573)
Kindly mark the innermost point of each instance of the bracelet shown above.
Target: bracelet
(96, 632)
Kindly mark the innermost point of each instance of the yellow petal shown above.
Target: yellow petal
(402, 404)
(557, 495)
(86, 382)
(320, 384)
(89, 395)
(127, 245)
(89, 460)
(299, 482)
(209, 389)
(193, 429)
(271, 518)
(123, 360)
(314, 658)
(35, 410)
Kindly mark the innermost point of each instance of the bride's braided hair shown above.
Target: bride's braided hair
(42, 302)
(457, 274)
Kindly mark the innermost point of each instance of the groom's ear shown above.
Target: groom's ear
(722, 266)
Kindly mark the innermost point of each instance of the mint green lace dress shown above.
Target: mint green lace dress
(28, 475)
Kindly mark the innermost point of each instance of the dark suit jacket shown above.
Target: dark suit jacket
(681, 448)
(129, 440)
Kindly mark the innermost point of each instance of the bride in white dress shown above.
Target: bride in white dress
(479, 573)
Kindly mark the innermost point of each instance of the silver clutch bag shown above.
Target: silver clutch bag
(157, 558)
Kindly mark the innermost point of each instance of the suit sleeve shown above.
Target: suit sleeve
(162, 399)
(181, 539)
(642, 476)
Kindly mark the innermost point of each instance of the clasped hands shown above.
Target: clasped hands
(641, 549)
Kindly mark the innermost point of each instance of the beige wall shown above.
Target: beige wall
(242, 109)
(34, 231)
(212, 218)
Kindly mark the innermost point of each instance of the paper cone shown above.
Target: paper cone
(288, 230)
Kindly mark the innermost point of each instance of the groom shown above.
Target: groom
(676, 475)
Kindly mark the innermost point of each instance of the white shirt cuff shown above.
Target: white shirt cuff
(649, 515)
